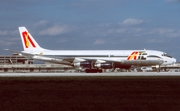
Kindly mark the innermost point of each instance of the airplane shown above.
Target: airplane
(93, 61)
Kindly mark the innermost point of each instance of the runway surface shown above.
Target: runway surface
(90, 92)
(89, 74)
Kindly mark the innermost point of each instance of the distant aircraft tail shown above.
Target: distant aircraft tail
(29, 43)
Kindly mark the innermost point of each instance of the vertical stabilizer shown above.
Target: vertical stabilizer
(29, 43)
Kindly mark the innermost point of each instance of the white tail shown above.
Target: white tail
(29, 43)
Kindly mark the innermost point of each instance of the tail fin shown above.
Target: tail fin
(29, 43)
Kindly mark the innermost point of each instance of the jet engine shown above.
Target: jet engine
(86, 64)
(91, 64)
(104, 65)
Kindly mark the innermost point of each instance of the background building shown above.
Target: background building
(15, 59)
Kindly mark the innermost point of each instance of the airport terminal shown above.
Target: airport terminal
(21, 64)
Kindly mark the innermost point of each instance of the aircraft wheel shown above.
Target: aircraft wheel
(93, 71)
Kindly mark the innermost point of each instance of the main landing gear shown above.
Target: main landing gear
(159, 68)
(93, 70)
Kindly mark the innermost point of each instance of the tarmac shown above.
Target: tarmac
(125, 74)
(146, 91)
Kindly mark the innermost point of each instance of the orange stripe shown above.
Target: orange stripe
(27, 39)
(133, 56)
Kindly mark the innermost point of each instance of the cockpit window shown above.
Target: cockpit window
(166, 55)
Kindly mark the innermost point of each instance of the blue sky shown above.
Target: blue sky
(93, 24)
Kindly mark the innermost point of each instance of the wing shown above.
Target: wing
(86, 62)
(41, 57)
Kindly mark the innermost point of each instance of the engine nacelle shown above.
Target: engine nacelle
(104, 65)
(86, 64)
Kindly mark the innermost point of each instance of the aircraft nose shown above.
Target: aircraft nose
(174, 60)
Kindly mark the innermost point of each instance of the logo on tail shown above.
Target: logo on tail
(27, 40)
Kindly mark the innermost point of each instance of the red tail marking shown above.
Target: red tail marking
(27, 39)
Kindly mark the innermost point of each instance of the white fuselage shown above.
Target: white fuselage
(152, 57)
